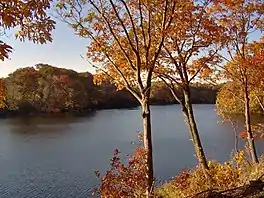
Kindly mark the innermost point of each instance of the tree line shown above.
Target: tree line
(48, 89)
(178, 42)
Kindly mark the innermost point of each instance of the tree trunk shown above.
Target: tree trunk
(188, 112)
(251, 144)
(235, 134)
(147, 140)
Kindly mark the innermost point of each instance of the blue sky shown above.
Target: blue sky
(64, 51)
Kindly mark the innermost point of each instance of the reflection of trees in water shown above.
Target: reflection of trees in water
(56, 123)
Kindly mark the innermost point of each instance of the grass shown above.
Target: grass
(234, 174)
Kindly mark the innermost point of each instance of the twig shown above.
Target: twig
(200, 193)
(255, 183)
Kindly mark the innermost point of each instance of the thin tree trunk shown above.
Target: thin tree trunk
(235, 134)
(188, 112)
(147, 140)
(251, 144)
(260, 103)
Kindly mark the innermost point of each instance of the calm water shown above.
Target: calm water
(56, 156)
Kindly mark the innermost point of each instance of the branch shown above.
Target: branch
(153, 62)
(136, 50)
(141, 24)
(175, 63)
(260, 103)
(113, 34)
(132, 23)
(123, 25)
(198, 71)
(172, 90)
(232, 92)
(165, 27)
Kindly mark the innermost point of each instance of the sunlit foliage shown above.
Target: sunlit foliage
(28, 18)
(125, 39)
(225, 177)
(127, 179)
(2, 94)
(239, 19)
(189, 54)
(48, 89)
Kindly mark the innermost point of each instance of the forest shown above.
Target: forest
(48, 89)
(140, 47)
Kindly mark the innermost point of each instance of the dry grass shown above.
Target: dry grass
(234, 173)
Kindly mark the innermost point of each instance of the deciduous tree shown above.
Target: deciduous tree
(126, 38)
(189, 53)
(239, 18)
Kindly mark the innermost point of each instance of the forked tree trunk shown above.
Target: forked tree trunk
(251, 144)
(147, 140)
(198, 148)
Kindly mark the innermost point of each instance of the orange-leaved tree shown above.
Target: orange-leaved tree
(188, 55)
(255, 60)
(30, 20)
(239, 18)
(125, 39)
(230, 99)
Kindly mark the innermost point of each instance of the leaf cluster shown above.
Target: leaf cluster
(125, 179)
(30, 20)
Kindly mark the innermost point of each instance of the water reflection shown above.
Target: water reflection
(57, 123)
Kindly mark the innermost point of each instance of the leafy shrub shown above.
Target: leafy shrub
(125, 179)
(128, 180)
(234, 173)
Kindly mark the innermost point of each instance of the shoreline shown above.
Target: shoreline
(75, 112)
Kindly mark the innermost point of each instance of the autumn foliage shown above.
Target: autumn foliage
(2, 94)
(126, 39)
(28, 18)
(136, 42)
(47, 89)
(133, 44)
(125, 179)
(228, 179)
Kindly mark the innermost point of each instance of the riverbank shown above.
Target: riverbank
(236, 178)
(114, 100)
(46, 89)
(233, 179)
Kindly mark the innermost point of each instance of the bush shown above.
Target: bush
(128, 180)
(235, 173)
(125, 179)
